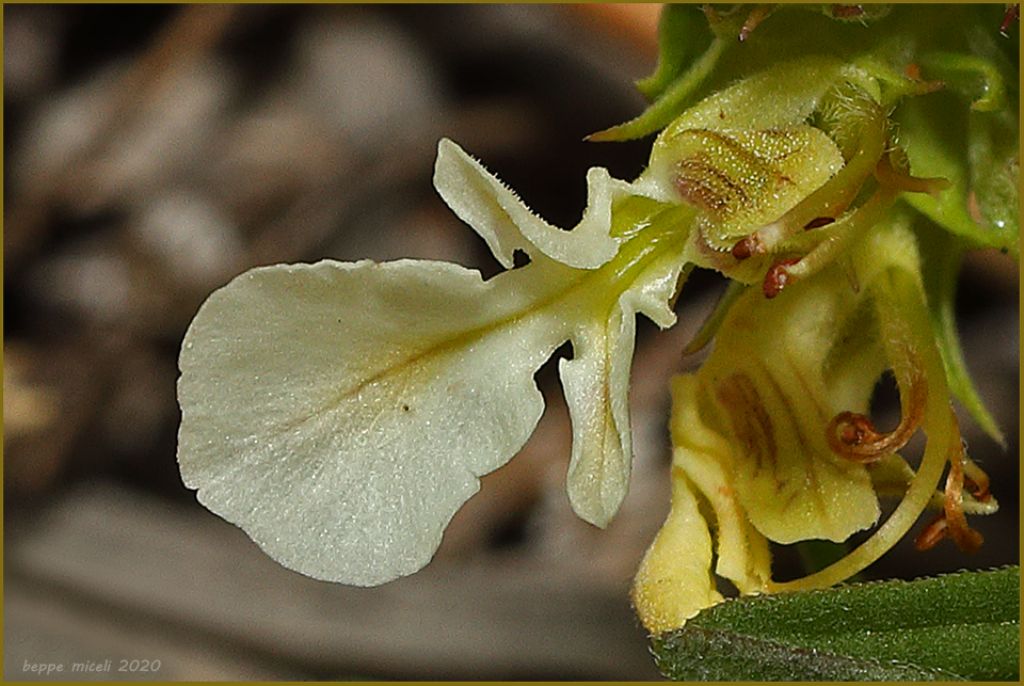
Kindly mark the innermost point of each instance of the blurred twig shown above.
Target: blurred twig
(192, 33)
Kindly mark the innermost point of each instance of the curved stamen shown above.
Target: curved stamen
(976, 480)
(887, 175)
(854, 437)
(966, 538)
(943, 436)
(952, 522)
(935, 531)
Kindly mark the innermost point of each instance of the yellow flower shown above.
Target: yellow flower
(771, 439)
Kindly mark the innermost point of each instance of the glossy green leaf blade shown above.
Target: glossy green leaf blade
(957, 626)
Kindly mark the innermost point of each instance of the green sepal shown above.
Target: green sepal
(993, 151)
(714, 320)
(674, 99)
(957, 626)
(683, 34)
(941, 255)
(972, 77)
(933, 129)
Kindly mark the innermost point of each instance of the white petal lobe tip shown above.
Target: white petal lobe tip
(596, 383)
(341, 413)
(506, 224)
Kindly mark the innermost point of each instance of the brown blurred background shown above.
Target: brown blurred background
(152, 153)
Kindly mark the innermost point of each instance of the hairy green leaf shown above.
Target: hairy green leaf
(957, 626)
(683, 34)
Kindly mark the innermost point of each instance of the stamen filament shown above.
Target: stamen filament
(889, 176)
(966, 538)
(901, 297)
(838, 238)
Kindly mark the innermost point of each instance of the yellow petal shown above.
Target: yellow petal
(706, 458)
(771, 398)
(674, 581)
(752, 104)
(743, 179)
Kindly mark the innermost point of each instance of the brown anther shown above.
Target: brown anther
(818, 222)
(777, 278)
(853, 436)
(847, 11)
(746, 247)
(1012, 14)
(848, 431)
(933, 532)
(913, 71)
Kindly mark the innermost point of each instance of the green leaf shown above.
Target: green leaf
(942, 254)
(957, 626)
(672, 101)
(683, 34)
(993, 152)
(933, 129)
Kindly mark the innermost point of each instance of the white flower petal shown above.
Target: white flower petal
(596, 383)
(506, 224)
(341, 413)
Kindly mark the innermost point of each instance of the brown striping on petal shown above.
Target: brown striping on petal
(701, 184)
(750, 420)
(759, 158)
